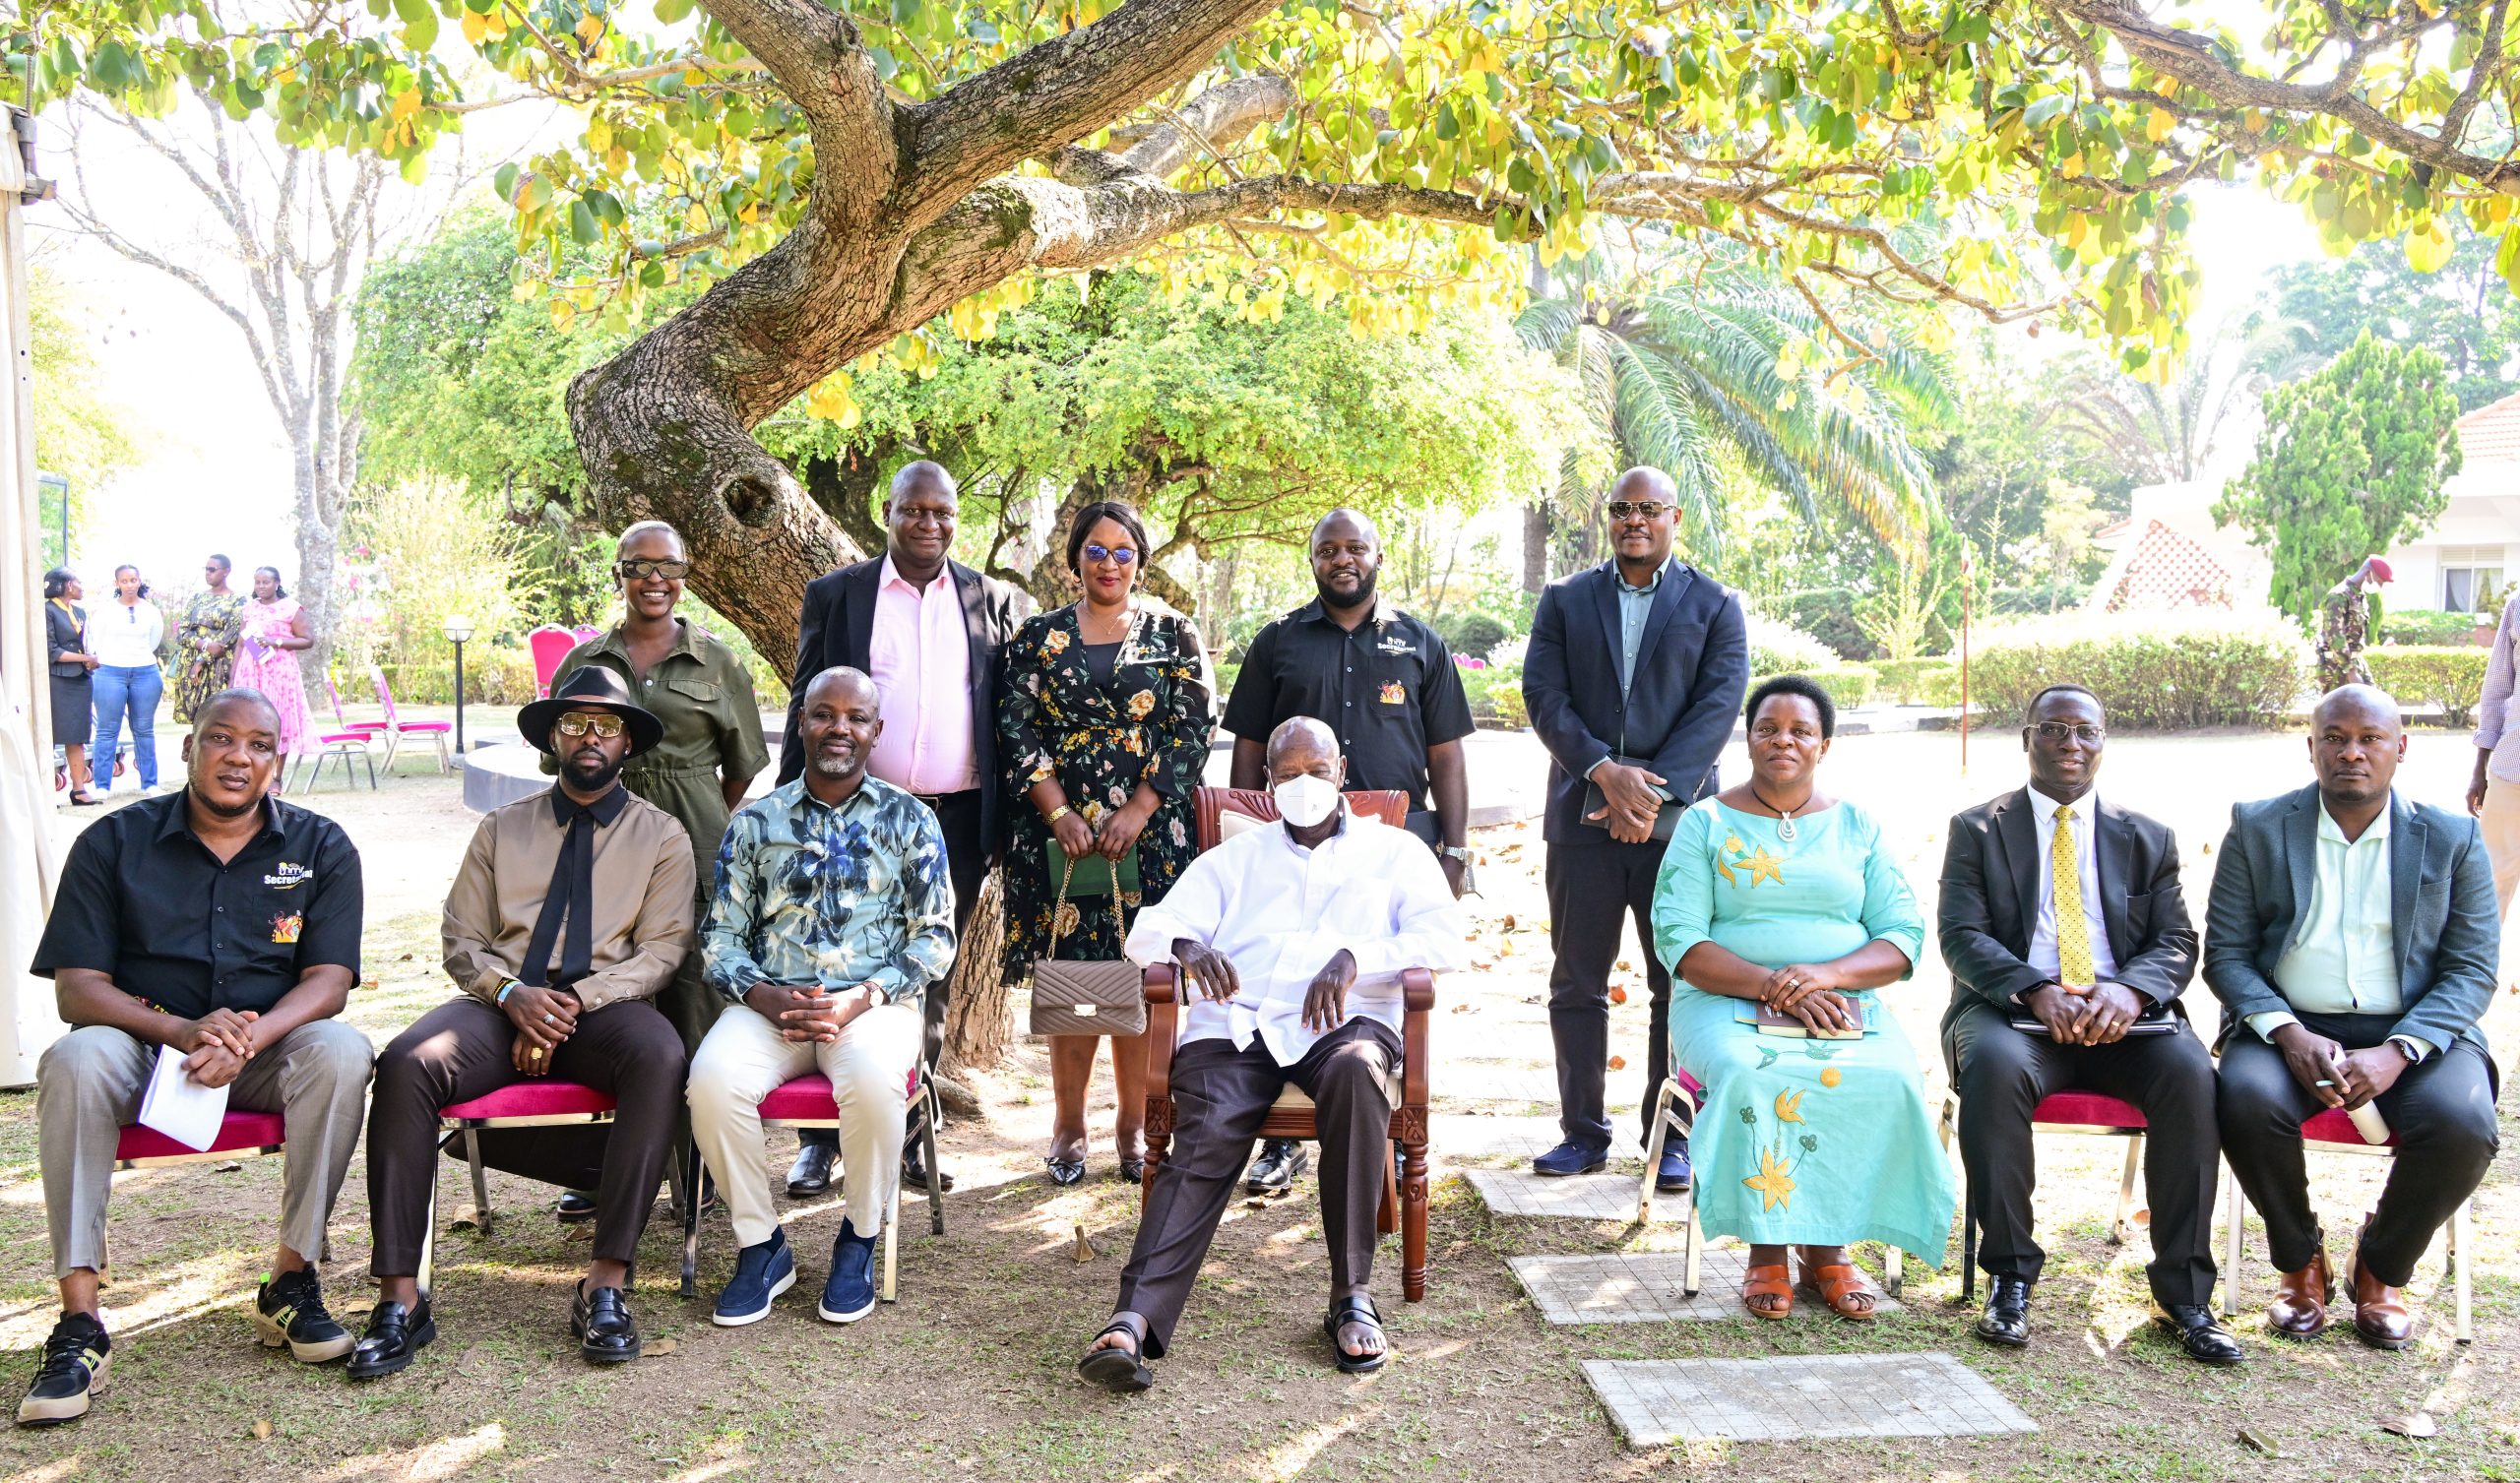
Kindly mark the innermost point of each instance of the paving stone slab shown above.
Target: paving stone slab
(1468, 1136)
(1803, 1398)
(1646, 1287)
(1579, 1197)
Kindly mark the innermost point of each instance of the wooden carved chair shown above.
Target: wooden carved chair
(1404, 1204)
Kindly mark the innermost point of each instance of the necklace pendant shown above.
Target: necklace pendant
(1784, 829)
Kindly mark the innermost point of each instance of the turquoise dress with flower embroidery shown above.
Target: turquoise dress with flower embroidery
(1816, 1142)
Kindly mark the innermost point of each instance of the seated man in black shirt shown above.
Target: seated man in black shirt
(222, 925)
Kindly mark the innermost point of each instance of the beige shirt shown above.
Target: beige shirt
(643, 889)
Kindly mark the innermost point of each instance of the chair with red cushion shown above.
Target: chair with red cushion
(806, 1102)
(1292, 1117)
(535, 1104)
(394, 728)
(2331, 1131)
(241, 1135)
(549, 645)
(2084, 1112)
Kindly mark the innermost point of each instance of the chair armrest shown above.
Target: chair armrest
(1417, 1034)
(1161, 1029)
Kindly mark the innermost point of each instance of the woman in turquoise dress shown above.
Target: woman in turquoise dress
(1772, 894)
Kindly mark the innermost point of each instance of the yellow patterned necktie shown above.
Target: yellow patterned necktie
(2073, 930)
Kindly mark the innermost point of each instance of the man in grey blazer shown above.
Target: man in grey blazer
(2352, 937)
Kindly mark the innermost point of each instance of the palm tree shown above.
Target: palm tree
(2168, 432)
(1717, 370)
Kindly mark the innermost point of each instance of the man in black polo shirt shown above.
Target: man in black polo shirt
(223, 925)
(1386, 685)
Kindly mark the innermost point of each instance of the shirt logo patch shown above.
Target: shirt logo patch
(1394, 694)
(1393, 643)
(284, 929)
(289, 875)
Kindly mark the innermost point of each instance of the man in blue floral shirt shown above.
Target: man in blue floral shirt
(833, 912)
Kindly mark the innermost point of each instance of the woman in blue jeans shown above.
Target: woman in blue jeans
(124, 635)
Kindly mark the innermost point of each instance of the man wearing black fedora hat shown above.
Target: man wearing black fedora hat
(571, 910)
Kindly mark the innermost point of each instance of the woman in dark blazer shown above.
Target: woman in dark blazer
(1103, 725)
(65, 638)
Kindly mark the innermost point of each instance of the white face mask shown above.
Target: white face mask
(1305, 800)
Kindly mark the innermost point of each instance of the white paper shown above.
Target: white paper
(180, 1107)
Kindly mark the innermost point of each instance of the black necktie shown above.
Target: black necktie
(571, 896)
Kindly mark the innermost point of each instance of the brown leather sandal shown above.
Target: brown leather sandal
(1841, 1288)
(1767, 1282)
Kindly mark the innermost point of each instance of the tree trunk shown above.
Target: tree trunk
(1535, 546)
(980, 1014)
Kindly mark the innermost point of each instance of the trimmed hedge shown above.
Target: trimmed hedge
(2152, 673)
(1847, 685)
(1496, 694)
(1915, 682)
(489, 679)
(2417, 627)
(1779, 647)
(2450, 677)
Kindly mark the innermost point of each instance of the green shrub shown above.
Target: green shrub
(1496, 694)
(1779, 647)
(2417, 626)
(1472, 635)
(2451, 678)
(1828, 615)
(1847, 685)
(1227, 674)
(2152, 673)
(1940, 687)
(1912, 682)
(492, 679)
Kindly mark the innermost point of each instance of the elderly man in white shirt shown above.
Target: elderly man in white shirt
(1292, 939)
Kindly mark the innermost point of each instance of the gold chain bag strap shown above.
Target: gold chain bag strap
(1103, 998)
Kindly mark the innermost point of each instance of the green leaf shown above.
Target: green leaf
(582, 224)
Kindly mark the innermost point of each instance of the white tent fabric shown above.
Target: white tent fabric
(26, 719)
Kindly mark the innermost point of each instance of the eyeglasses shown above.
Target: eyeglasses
(2055, 733)
(1646, 509)
(579, 723)
(641, 571)
(1125, 555)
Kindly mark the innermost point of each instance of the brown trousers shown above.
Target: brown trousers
(461, 1050)
(1221, 1097)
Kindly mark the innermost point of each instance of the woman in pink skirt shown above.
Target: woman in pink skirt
(274, 631)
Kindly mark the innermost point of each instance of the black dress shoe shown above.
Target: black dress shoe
(2202, 1335)
(914, 1170)
(395, 1336)
(810, 1174)
(576, 1207)
(1281, 1160)
(600, 1321)
(2006, 1320)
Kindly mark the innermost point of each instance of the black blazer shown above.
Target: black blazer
(837, 626)
(64, 634)
(1989, 906)
(1692, 665)
(2442, 920)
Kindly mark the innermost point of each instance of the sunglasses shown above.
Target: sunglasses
(641, 571)
(1125, 555)
(2056, 732)
(1647, 509)
(579, 723)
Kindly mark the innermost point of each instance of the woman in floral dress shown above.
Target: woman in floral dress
(205, 640)
(274, 631)
(1104, 727)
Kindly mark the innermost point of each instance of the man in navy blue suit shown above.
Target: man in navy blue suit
(1634, 680)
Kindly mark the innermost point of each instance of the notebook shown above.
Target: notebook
(1777, 1023)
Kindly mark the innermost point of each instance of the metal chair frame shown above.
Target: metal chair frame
(2120, 1226)
(470, 1130)
(934, 1112)
(2459, 1257)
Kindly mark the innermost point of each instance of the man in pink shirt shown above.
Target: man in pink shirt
(929, 630)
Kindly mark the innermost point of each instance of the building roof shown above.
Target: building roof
(2169, 570)
(2491, 433)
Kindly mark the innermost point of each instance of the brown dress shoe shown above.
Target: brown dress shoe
(2299, 1309)
(2380, 1319)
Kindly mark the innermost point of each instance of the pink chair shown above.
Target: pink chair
(538, 1103)
(394, 728)
(241, 1135)
(347, 742)
(806, 1102)
(586, 633)
(2330, 1130)
(2084, 1112)
(1677, 1104)
(549, 645)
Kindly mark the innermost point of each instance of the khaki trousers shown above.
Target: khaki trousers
(2502, 826)
(743, 1060)
(89, 1082)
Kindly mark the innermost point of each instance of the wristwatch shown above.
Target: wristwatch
(1453, 851)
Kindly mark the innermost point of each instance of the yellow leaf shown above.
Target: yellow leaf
(2428, 246)
(475, 27)
(2072, 165)
(2253, 121)
(590, 31)
(2158, 124)
(408, 101)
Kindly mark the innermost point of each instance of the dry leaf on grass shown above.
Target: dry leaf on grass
(1461, 1009)
(657, 1348)
(1618, 993)
(1623, 967)
(2257, 1443)
(2417, 1424)
(1084, 1248)
(228, 1166)
(262, 1430)
(1509, 923)
(1619, 1063)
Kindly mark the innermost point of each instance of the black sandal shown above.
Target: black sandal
(1067, 1171)
(1121, 1372)
(1357, 1309)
